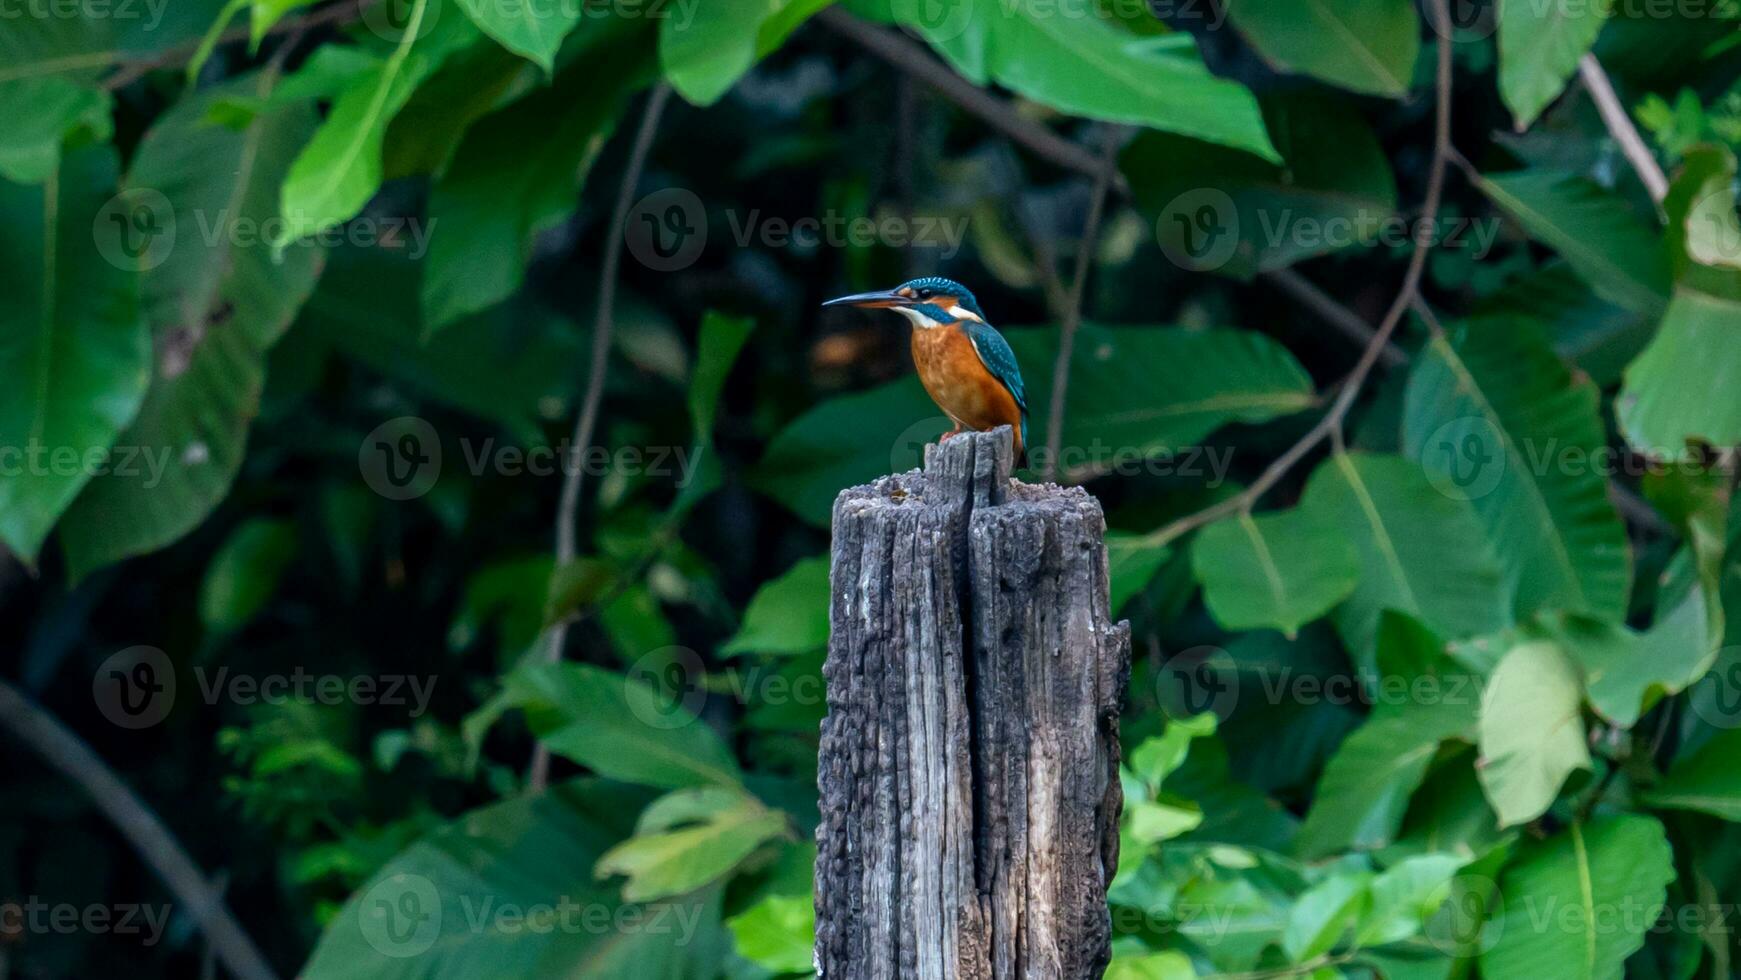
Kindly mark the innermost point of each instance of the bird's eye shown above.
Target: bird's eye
(927, 293)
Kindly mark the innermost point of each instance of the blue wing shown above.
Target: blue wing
(995, 353)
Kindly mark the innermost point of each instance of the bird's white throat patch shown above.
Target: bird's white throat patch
(918, 317)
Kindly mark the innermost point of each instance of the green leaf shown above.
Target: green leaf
(1532, 731)
(1273, 571)
(1604, 883)
(615, 725)
(1084, 65)
(1131, 564)
(777, 933)
(1421, 552)
(340, 169)
(1364, 45)
(705, 54)
(42, 113)
(1421, 699)
(244, 573)
(788, 614)
(217, 303)
(519, 171)
(722, 340)
(687, 839)
(1336, 176)
(74, 356)
(1599, 236)
(1495, 418)
(1539, 48)
(507, 890)
(1706, 782)
(1405, 896)
(1322, 915)
(529, 29)
(266, 13)
(1667, 398)
(1167, 965)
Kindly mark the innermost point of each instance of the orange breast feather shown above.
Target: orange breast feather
(960, 384)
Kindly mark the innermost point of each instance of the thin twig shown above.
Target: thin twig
(1073, 312)
(151, 840)
(914, 60)
(1621, 128)
(131, 70)
(1350, 323)
(1331, 424)
(568, 507)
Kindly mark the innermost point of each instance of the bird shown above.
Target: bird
(966, 366)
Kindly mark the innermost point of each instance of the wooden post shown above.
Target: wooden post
(969, 759)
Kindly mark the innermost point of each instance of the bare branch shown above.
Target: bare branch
(1073, 312)
(1620, 127)
(1350, 323)
(915, 61)
(151, 840)
(568, 507)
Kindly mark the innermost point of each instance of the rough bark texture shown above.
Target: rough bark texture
(969, 759)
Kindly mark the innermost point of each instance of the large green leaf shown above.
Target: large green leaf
(1576, 905)
(788, 614)
(217, 302)
(508, 890)
(48, 70)
(1084, 65)
(1421, 552)
(1115, 413)
(704, 54)
(1616, 253)
(1497, 419)
(1274, 571)
(616, 725)
(74, 354)
(1668, 396)
(517, 172)
(1708, 781)
(688, 838)
(340, 169)
(1364, 45)
(1539, 47)
(1532, 730)
(1217, 209)
(530, 29)
(1421, 698)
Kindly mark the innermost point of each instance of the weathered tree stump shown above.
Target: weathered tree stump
(969, 759)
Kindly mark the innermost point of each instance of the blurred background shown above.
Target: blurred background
(358, 361)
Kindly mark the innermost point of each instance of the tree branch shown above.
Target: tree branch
(68, 754)
(1620, 127)
(914, 60)
(1351, 324)
(1073, 312)
(568, 507)
(1330, 426)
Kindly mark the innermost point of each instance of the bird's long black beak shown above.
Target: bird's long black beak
(879, 299)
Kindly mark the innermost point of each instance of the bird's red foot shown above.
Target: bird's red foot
(945, 436)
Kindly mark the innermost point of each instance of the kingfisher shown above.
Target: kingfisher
(965, 365)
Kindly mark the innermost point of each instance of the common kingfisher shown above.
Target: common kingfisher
(965, 365)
